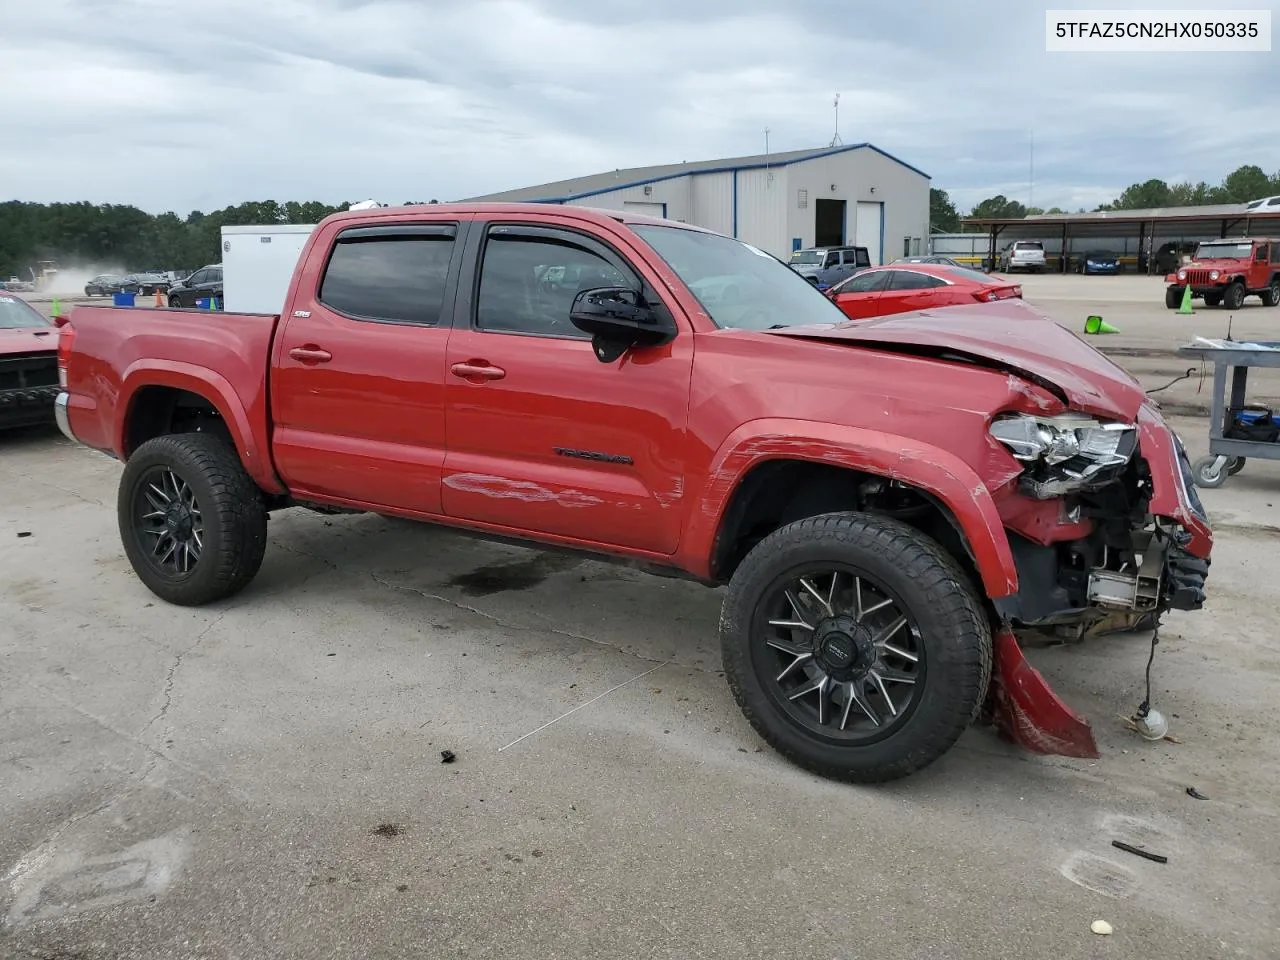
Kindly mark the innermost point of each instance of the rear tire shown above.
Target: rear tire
(170, 485)
(1212, 299)
(1271, 296)
(936, 663)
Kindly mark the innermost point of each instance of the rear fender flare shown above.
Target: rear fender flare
(938, 473)
(213, 387)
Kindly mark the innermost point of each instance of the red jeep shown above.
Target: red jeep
(1226, 271)
(886, 501)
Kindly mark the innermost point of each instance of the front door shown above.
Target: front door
(358, 375)
(543, 438)
(858, 298)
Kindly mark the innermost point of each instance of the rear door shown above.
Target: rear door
(857, 298)
(357, 392)
(1260, 271)
(543, 438)
(911, 290)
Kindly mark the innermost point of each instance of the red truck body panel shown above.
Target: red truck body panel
(222, 357)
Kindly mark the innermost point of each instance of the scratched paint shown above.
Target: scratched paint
(500, 488)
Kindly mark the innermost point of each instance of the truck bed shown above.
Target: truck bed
(225, 356)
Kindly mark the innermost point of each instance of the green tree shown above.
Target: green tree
(943, 215)
(1244, 184)
(999, 207)
(1143, 196)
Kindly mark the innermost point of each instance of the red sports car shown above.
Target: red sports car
(28, 364)
(900, 288)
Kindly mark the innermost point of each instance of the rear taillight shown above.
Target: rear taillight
(990, 294)
(66, 340)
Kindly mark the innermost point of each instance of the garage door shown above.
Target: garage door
(868, 229)
(645, 209)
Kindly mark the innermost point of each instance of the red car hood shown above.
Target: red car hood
(1008, 335)
(27, 340)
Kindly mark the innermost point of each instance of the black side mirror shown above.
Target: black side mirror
(617, 319)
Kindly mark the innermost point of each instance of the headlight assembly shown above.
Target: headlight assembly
(1065, 454)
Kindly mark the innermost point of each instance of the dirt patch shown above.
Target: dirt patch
(388, 830)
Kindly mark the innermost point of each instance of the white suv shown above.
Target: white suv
(1023, 255)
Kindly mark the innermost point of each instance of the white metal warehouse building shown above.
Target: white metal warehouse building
(855, 194)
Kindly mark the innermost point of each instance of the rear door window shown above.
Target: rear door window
(910, 280)
(392, 274)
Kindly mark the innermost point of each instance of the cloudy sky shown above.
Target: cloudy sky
(176, 104)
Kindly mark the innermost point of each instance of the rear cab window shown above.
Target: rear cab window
(390, 274)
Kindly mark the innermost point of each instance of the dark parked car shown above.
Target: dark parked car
(1169, 257)
(103, 285)
(1098, 262)
(145, 284)
(205, 282)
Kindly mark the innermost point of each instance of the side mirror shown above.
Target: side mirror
(617, 319)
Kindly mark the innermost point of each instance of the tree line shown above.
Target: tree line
(1244, 184)
(121, 237)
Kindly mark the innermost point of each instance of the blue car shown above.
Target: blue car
(1099, 262)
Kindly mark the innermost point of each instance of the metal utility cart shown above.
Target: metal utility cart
(1227, 454)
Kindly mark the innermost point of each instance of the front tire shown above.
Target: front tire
(1173, 297)
(855, 646)
(193, 522)
(1233, 296)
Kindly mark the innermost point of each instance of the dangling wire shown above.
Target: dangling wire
(1145, 707)
(1191, 372)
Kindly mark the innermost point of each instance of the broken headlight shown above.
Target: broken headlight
(1066, 454)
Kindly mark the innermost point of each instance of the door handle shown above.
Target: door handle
(310, 354)
(477, 371)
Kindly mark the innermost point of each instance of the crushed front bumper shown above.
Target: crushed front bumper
(1169, 571)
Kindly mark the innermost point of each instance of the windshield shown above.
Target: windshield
(1224, 251)
(15, 314)
(807, 256)
(738, 285)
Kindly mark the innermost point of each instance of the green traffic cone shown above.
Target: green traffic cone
(1095, 325)
(1186, 300)
(56, 309)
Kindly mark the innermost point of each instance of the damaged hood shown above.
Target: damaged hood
(1005, 335)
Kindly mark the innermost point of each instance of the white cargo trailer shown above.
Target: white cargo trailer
(257, 265)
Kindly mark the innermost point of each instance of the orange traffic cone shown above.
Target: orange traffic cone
(161, 300)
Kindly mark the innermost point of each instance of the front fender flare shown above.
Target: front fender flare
(931, 469)
(215, 388)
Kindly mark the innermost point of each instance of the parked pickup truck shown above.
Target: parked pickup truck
(885, 501)
(1224, 272)
(28, 365)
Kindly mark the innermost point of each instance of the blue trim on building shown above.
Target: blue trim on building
(882, 233)
(816, 155)
(735, 204)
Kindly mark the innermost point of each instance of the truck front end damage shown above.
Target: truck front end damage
(1107, 533)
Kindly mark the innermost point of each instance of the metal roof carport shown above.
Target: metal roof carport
(1223, 219)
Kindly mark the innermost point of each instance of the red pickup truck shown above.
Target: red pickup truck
(886, 501)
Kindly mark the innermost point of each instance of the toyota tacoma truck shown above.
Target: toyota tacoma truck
(1224, 272)
(888, 503)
